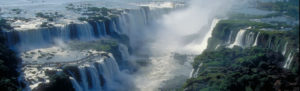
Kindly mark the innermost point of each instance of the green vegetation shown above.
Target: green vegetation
(93, 13)
(271, 39)
(49, 16)
(8, 64)
(101, 45)
(290, 8)
(223, 29)
(291, 36)
(241, 16)
(95, 10)
(240, 69)
(247, 69)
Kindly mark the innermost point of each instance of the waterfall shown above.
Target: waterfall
(192, 72)
(94, 76)
(76, 86)
(195, 74)
(256, 39)
(37, 38)
(90, 75)
(204, 43)
(284, 49)
(229, 39)
(124, 51)
(249, 39)
(288, 61)
(217, 46)
(133, 21)
(238, 39)
(196, 47)
(130, 22)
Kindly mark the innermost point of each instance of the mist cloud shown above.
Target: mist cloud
(170, 35)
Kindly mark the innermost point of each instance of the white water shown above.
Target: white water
(174, 27)
(76, 85)
(238, 39)
(106, 67)
(164, 67)
(229, 39)
(129, 22)
(288, 61)
(217, 46)
(256, 39)
(198, 48)
(184, 31)
(249, 39)
(195, 74)
(37, 38)
(284, 49)
(124, 52)
(191, 74)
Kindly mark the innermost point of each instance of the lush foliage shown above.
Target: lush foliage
(224, 28)
(290, 8)
(100, 45)
(271, 39)
(240, 69)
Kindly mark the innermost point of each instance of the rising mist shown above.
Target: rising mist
(182, 31)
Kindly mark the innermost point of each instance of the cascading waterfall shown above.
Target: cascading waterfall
(103, 74)
(288, 61)
(198, 48)
(249, 41)
(76, 85)
(96, 75)
(133, 21)
(204, 43)
(269, 42)
(217, 46)
(245, 39)
(191, 74)
(238, 39)
(43, 37)
(256, 39)
(195, 73)
(129, 23)
(284, 49)
(229, 39)
(124, 51)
